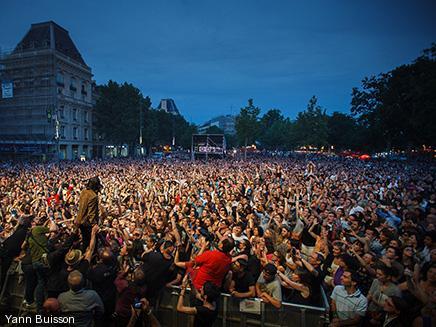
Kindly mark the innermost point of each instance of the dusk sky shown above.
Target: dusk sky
(211, 56)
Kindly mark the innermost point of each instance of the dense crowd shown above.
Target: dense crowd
(103, 249)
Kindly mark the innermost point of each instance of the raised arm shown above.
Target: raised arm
(180, 306)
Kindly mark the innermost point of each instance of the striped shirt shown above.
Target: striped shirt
(348, 305)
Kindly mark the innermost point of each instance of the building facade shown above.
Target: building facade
(225, 122)
(48, 112)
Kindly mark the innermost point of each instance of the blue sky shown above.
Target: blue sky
(211, 56)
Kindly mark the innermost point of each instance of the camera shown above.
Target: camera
(137, 304)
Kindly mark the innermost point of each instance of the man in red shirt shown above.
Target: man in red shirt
(213, 265)
(54, 197)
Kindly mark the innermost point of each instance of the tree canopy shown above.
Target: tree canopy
(397, 108)
(117, 112)
(121, 111)
(246, 124)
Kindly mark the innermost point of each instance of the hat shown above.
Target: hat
(73, 257)
(270, 269)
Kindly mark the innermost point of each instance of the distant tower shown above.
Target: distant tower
(168, 105)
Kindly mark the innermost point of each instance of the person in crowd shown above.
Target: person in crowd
(82, 304)
(88, 213)
(51, 306)
(300, 289)
(11, 247)
(395, 309)
(130, 286)
(207, 311)
(142, 312)
(242, 284)
(348, 304)
(213, 265)
(38, 248)
(268, 287)
(102, 277)
(312, 272)
(382, 287)
(157, 269)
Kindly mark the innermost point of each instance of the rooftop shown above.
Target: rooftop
(49, 35)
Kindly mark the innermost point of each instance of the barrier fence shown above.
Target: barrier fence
(251, 312)
(232, 312)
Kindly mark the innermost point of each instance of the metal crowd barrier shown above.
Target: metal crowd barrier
(251, 312)
(232, 313)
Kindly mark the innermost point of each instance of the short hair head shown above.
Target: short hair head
(227, 245)
(75, 280)
(211, 292)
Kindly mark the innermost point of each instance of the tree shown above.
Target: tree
(121, 112)
(214, 130)
(151, 130)
(183, 131)
(274, 130)
(311, 125)
(117, 113)
(231, 140)
(161, 127)
(247, 125)
(343, 131)
(397, 108)
(269, 118)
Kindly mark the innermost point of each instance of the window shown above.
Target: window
(75, 133)
(45, 81)
(61, 112)
(84, 92)
(86, 133)
(86, 116)
(28, 82)
(75, 114)
(62, 132)
(60, 79)
(73, 84)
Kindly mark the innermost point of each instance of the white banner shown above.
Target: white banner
(7, 89)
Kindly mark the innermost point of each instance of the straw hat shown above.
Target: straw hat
(73, 256)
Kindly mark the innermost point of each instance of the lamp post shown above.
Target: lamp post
(141, 125)
(57, 136)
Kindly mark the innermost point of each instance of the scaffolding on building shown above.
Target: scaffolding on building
(28, 124)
